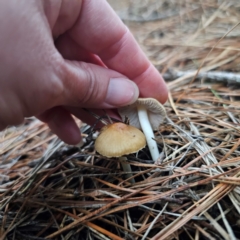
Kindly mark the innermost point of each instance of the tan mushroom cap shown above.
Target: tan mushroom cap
(118, 139)
(156, 112)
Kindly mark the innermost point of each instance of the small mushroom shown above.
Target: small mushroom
(119, 139)
(146, 114)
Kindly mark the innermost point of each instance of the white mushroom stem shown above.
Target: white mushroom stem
(126, 168)
(148, 131)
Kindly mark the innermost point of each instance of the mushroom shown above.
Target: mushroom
(119, 139)
(146, 114)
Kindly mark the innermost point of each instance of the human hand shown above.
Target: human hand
(59, 56)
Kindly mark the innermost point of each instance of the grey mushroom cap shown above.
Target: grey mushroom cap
(156, 112)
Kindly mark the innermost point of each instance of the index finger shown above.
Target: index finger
(100, 31)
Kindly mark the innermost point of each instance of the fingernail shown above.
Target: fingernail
(121, 91)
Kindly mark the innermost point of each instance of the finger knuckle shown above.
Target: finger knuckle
(55, 75)
(90, 85)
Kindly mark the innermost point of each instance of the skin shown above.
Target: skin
(57, 57)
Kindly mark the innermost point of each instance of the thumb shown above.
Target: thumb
(92, 86)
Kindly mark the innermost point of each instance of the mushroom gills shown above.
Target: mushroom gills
(146, 114)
